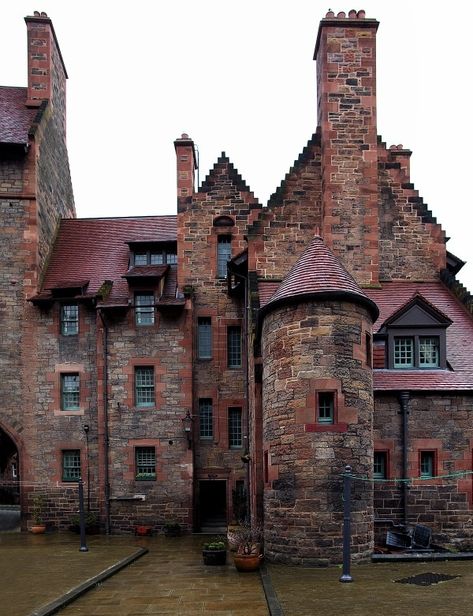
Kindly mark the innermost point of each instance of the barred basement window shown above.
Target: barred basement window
(380, 465)
(144, 308)
(234, 427)
(205, 418)
(144, 386)
(204, 338)
(69, 319)
(145, 463)
(234, 346)
(71, 465)
(325, 407)
(70, 392)
(224, 254)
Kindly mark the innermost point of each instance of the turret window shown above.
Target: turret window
(325, 407)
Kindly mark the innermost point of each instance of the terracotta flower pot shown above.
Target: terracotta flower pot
(38, 529)
(247, 562)
(143, 530)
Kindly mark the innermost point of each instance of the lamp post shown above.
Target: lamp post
(187, 423)
(86, 429)
(83, 544)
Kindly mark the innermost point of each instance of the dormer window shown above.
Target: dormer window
(155, 257)
(417, 352)
(416, 336)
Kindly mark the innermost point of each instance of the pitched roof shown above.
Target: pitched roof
(96, 249)
(390, 298)
(318, 272)
(15, 118)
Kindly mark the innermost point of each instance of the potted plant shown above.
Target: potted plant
(91, 523)
(214, 552)
(248, 554)
(38, 526)
(172, 529)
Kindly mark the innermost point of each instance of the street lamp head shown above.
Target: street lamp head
(86, 428)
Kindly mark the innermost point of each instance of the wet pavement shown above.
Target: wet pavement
(171, 579)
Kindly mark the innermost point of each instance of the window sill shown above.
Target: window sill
(316, 427)
(144, 408)
(60, 413)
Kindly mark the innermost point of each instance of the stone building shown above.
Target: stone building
(229, 360)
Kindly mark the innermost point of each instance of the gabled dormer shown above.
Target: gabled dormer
(415, 336)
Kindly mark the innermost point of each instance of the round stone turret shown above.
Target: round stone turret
(317, 410)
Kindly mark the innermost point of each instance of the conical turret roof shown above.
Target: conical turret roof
(318, 273)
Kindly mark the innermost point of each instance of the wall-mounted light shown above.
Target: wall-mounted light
(187, 424)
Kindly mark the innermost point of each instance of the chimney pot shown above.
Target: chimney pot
(330, 14)
(352, 14)
(361, 14)
(341, 15)
(36, 13)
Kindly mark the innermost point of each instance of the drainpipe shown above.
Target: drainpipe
(404, 402)
(105, 417)
(246, 436)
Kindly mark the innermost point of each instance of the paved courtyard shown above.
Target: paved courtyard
(171, 579)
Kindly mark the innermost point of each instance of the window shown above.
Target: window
(325, 407)
(224, 254)
(70, 392)
(380, 465)
(71, 465)
(144, 308)
(417, 352)
(429, 356)
(144, 386)
(155, 257)
(234, 427)
(234, 346)
(69, 319)
(427, 464)
(403, 352)
(145, 463)
(205, 418)
(204, 338)
(369, 350)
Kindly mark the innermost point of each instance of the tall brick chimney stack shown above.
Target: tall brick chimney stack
(46, 70)
(346, 84)
(186, 167)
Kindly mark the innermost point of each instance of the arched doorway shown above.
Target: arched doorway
(9, 484)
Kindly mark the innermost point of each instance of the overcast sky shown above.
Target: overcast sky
(239, 77)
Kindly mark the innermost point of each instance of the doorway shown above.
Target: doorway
(9, 484)
(213, 506)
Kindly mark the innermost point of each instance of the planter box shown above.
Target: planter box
(214, 557)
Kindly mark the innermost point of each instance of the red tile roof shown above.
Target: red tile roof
(319, 272)
(15, 118)
(390, 298)
(96, 249)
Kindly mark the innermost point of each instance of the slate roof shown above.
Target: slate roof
(96, 249)
(15, 118)
(319, 272)
(390, 298)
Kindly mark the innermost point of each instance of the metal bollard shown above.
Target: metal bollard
(346, 577)
(83, 544)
